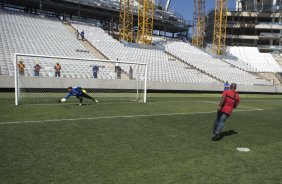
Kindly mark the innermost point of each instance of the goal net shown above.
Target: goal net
(44, 79)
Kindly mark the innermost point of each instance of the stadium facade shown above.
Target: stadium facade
(258, 5)
(255, 23)
(105, 10)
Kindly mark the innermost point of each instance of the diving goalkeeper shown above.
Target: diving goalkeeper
(79, 93)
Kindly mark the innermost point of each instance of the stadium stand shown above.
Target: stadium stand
(213, 66)
(161, 68)
(241, 64)
(262, 62)
(181, 63)
(70, 68)
(29, 34)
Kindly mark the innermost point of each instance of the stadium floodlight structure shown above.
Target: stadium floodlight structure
(220, 23)
(167, 5)
(199, 23)
(126, 8)
(108, 87)
(145, 22)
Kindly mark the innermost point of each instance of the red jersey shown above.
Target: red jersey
(232, 100)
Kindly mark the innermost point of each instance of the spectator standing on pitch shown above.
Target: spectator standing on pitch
(226, 86)
(95, 70)
(82, 35)
(130, 73)
(79, 93)
(37, 68)
(230, 100)
(57, 68)
(21, 66)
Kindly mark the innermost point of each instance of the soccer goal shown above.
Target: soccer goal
(45, 79)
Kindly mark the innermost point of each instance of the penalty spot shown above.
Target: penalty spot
(243, 149)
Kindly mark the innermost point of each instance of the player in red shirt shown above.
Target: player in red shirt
(230, 100)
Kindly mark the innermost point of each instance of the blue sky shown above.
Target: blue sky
(186, 7)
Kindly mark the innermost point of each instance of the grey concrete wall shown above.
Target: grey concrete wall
(46, 82)
(40, 82)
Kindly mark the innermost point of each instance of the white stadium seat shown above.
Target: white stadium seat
(160, 67)
(213, 66)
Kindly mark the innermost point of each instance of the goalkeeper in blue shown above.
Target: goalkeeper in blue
(79, 93)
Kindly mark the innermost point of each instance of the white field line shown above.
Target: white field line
(100, 103)
(259, 109)
(110, 103)
(124, 116)
(252, 108)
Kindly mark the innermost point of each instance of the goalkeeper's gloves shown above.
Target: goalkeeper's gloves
(63, 100)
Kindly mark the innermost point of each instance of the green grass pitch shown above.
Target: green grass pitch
(166, 141)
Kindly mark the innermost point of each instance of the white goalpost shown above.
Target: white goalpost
(105, 80)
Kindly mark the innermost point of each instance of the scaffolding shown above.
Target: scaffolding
(220, 22)
(145, 21)
(126, 20)
(199, 23)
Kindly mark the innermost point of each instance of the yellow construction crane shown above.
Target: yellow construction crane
(220, 22)
(145, 21)
(126, 8)
(199, 23)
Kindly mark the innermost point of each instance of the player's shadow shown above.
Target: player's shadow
(227, 133)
